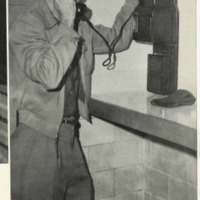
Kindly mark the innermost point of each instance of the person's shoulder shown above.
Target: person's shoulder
(25, 22)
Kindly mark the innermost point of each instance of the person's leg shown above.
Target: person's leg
(78, 181)
(81, 184)
(65, 161)
(33, 164)
(73, 180)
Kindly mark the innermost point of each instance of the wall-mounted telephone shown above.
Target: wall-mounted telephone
(158, 22)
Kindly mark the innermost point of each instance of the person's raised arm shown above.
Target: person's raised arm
(111, 33)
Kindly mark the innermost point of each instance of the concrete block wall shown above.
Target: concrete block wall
(170, 171)
(126, 164)
(115, 159)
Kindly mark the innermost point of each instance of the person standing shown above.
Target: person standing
(50, 78)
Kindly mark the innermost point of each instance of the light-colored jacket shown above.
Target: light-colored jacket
(41, 51)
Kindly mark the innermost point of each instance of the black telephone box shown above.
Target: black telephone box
(158, 23)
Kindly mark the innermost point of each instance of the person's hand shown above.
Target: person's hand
(133, 3)
(88, 14)
(66, 10)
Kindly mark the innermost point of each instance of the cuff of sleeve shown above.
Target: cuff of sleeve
(130, 7)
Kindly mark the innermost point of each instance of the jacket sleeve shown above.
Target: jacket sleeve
(43, 61)
(110, 34)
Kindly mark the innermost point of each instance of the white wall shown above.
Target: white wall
(187, 45)
(131, 69)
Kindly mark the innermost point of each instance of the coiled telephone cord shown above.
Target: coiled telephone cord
(107, 63)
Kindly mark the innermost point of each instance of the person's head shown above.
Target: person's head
(52, 6)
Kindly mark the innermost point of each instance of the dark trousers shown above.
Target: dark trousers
(43, 168)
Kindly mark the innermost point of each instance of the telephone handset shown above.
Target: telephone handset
(83, 12)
